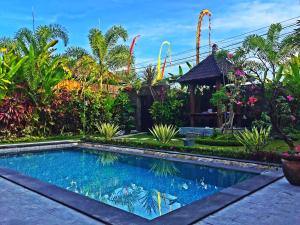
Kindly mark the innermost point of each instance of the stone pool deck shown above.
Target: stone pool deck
(276, 204)
(19, 206)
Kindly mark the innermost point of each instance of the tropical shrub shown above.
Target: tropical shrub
(15, 115)
(108, 131)
(263, 122)
(164, 133)
(124, 112)
(254, 140)
(65, 114)
(9, 66)
(94, 108)
(170, 109)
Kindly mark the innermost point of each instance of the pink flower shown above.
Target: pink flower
(239, 73)
(297, 149)
(239, 103)
(290, 98)
(229, 55)
(285, 154)
(252, 100)
(293, 118)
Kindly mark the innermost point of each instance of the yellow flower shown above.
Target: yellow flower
(3, 50)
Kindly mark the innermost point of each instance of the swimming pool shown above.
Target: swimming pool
(144, 186)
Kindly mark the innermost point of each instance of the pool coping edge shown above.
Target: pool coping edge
(104, 213)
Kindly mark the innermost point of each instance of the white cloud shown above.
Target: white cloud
(256, 14)
(155, 31)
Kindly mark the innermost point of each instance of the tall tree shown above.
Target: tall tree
(107, 50)
(265, 57)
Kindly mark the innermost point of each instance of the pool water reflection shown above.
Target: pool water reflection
(144, 186)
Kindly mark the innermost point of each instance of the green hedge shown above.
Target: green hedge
(216, 142)
(271, 157)
(29, 139)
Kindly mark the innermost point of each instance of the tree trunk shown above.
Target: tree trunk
(229, 123)
(285, 137)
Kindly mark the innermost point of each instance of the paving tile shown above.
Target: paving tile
(19, 206)
(276, 204)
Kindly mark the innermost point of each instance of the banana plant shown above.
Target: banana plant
(43, 72)
(174, 78)
(9, 66)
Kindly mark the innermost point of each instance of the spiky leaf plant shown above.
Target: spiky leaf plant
(164, 133)
(254, 140)
(107, 130)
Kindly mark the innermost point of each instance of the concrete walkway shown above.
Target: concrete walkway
(19, 206)
(276, 204)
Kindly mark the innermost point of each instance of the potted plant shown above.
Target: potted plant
(291, 165)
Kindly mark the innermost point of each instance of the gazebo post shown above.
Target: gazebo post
(192, 88)
(219, 111)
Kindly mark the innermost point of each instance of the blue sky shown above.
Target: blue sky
(154, 20)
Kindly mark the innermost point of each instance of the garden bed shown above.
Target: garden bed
(271, 154)
(215, 146)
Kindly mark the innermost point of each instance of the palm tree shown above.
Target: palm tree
(149, 75)
(40, 38)
(43, 70)
(109, 55)
(268, 53)
(265, 59)
(297, 34)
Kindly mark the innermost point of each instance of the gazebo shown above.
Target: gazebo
(210, 72)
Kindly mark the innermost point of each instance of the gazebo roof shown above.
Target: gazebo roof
(207, 71)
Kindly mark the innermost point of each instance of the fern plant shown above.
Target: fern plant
(108, 131)
(164, 133)
(254, 140)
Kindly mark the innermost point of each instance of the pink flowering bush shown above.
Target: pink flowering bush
(290, 98)
(292, 154)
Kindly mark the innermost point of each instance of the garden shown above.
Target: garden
(87, 94)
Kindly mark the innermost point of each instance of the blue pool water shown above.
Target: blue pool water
(144, 186)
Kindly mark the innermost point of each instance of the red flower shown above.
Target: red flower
(252, 100)
(229, 55)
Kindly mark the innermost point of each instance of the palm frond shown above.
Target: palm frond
(114, 34)
(117, 57)
(98, 44)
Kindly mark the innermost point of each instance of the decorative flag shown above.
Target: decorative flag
(160, 73)
(131, 52)
(159, 202)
